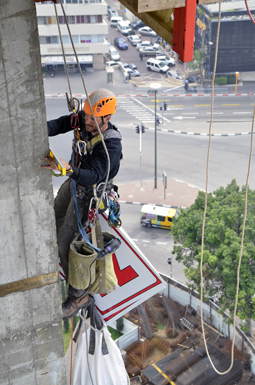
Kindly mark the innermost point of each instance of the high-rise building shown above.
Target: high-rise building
(87, 26)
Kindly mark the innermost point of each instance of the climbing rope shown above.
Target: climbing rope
(249, 12)
(85, 89)
(204, 218)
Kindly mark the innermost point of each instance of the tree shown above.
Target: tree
(222, 240)
(199, 58)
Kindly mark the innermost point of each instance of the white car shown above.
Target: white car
(134, 40)
(167, 61)
(145, 43)
(111, 63)
(147, 31)
(149, 51)
(173, 74)
(114, 54)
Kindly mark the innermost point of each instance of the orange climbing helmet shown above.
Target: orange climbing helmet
(103, 102)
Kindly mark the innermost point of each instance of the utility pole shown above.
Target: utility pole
(31, 317)
(140, 131)
(155, 87)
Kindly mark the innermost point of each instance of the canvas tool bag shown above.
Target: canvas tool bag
(86, 271)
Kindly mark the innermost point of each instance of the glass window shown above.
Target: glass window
(99, 18)
(53, 20)
(85, 39)
(54, 39)
(61, 20)
(76, 39)
(169, 219)
(42, 39)
(80, 19)
(40, 20)
(161, 218)
(93, 19)
(48, 39)
(87, 19)
(66, 39)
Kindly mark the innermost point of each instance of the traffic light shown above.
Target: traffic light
(137, 130)
(169, 261)
(143, 129)
(165, 106)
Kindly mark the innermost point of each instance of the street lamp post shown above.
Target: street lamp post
(237, 74)
(169, 261)
(155, 87)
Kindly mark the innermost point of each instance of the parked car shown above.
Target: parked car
(193, 79)
(138, 24)
(134, 40)
(123, 27)
(131, 65)
(149, 51)
(112, 12)
(144, 43)
(156, 65)
(111, 63)
(173, 74)
(114, 54)
(114, 21)
(132, 73)
(147, 31)
(120, 43)
(167, 61)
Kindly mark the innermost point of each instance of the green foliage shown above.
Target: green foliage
(66, 325)
(198, 60)
(222, 240)
(221, 80)
(120, 324)
(114, 333)
(231, 79)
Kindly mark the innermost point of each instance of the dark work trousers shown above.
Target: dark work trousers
(66, 219)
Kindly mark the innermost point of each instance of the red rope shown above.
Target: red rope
(71, 366)
(249, 12)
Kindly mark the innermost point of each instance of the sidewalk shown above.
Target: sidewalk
(177, 193)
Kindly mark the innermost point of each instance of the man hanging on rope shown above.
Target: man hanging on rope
(89, 168)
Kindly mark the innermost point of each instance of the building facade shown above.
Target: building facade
(236, 52)
(87, 26)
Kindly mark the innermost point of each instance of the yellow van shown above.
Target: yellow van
(157, 216)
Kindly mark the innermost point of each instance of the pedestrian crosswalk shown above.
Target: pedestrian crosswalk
(135, 108)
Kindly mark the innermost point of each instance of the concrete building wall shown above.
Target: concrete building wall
(31, 340)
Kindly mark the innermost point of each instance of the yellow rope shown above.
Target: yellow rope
(204, 217)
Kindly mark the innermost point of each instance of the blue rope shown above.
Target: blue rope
(81, 228)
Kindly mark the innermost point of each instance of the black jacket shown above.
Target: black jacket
(97, 165)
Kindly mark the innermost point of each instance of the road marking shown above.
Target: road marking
(215, 113)
(162, 243)
(188, 113)
(145, 241)
(184, 117)
(230, 104)
(137, 101)
(241, 112)
(202, 105)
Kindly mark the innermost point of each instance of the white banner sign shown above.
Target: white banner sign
(137, 278)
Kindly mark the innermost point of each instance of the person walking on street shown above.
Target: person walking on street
(141, 56)
(90, 170)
